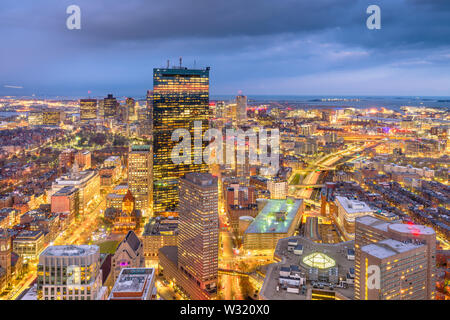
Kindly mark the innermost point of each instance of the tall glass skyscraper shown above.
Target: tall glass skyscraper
(180, 97)
(88, 110)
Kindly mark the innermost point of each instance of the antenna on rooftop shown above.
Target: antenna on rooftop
(168, 64)
(181, 61)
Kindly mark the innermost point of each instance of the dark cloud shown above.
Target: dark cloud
(245, 42)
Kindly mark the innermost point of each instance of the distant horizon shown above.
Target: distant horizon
(216, 96)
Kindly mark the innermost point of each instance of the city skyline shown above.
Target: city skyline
(235, 151)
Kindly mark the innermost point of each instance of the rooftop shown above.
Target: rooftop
(201, 178)
(132, 280)
(413, 229)
(353, 206)
(387, 248)
(70, 250)
(266, 221)
(373, 222)
(161, 225)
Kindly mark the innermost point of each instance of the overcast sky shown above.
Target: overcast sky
(295, 47)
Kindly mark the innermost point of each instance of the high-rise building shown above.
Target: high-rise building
(140, 177)
(198, 238)
(402, 273)
(131, 110)
(180, 97)
(110, 106)
(52, 117)
(69, 273)
(241, 108)
(405, 254)
(193, 264)
(88, 109)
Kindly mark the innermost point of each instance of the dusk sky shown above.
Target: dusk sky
(264, 47)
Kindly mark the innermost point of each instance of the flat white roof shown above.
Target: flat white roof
(353, 206)
(374, 222)
(387, 248)
(70, 250)
(413, 229)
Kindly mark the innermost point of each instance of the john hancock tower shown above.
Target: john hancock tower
(180, 97)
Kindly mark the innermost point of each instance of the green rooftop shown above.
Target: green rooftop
(269, 219)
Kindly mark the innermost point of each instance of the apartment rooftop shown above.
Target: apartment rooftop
(276, 216)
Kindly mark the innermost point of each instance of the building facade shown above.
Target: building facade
(180, 98)
(402, 258)
(69, 273)
(88, 110)
(140, 177)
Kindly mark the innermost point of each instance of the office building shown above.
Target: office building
(66, 200)
(278, 219)
(88, 110)
(69, 273)
(66, 158)
(140, 177)
(158, 232)
(405, 259)
(194, 263)
(134, 284)
(347, 211)
(241, 108)
(180, 97)
(52, 117)
(110, 107)
(402, 271)
(87, 182)
(29, 244)
(131, 114)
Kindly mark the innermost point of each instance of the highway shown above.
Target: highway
(314, 171)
